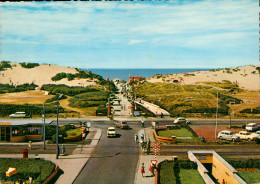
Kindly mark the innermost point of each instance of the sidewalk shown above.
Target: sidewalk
(70, 164)
(146, 159)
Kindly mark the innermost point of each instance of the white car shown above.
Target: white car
(244, 135)
(228, 135)
(180, 120)
(111, 132)
(255, 135)
(18, 115)
(252, 127)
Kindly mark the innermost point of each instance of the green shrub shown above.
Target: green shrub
(5, 64)
(59, 76)
(29, 65)
(55, 98)
(66, 90)
(251, 111)
(31, 109)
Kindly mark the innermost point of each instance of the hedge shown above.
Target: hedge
(251, 111)
(66, 90)
(243, 163)
(6, 88)
(30, 109)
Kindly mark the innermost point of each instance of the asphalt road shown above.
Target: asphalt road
(114, 160)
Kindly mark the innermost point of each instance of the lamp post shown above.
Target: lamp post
(216, 119)
(44, 145)
(57, 129)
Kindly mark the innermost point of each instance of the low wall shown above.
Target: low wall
(73, 138)
(163, 139)
(49, 180)
(25, 138)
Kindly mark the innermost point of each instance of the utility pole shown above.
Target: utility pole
(216, 119)
(57, 129)
(44, 136)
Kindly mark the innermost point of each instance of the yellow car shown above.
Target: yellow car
(111, 132)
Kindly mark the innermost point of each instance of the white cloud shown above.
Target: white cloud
(133, 42)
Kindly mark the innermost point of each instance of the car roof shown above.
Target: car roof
(243, 132)
(251, 124)
(226, 131)
(111, 127)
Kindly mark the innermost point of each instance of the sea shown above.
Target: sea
(124, 74)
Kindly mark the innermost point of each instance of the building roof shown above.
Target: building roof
(15, 122)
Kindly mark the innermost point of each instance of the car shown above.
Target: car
(111, 132)
(252, 127)
(18, 115)
(255, 135)
(180, 120)
(244, 135)
(228, 135)
(121, 124)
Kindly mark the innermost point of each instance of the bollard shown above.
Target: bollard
(25, 153)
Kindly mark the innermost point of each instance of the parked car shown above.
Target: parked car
(228, 135)
(180, 120)
(252, 127)
(121, 124)
(244, 135)
(255, 135)
(18, 115)
(111, 132)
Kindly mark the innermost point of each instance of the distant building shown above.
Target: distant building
(132, 79)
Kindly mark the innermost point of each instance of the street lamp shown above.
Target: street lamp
(44, 145)
(57, 129)
(216, 119)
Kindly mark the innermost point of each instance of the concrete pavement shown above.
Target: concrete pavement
(146, 159)
(71, 165)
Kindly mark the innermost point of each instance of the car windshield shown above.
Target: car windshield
(111, 129)
(123, 122)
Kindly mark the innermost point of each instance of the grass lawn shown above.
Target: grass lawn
(187, 176)
(250, 177)
(182, 132)
(26, 168)
(190, 176)
(74, 132)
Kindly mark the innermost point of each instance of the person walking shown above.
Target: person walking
(151, 169)
(142, 170)
(136, 138)
(142, 123)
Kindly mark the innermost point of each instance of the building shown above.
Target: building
(19, 130)
(132, 79)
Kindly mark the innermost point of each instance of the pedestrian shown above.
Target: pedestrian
(142, 170)
(151, 169)
(136, 138)
(30, 145)
(142, 137)
(142, 123)
(223, 182)
(63, 150)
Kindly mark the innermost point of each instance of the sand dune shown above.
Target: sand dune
(246, 77)
(40, 75)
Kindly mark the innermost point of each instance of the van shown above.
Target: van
(18, 115)
(252, 127)
(180, 120)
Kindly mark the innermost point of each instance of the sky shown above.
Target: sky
(172, 34)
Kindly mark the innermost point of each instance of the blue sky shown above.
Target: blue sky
(175, 34)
